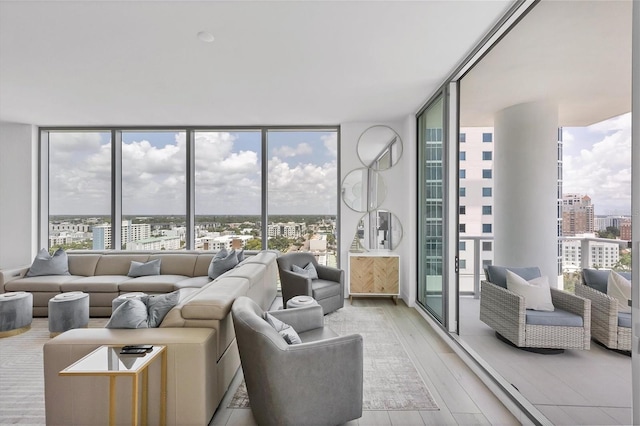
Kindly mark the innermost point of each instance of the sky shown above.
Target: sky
(597, 162)
(302, 170)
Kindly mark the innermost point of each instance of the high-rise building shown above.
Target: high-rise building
(130, 232)
(601, 254)
(577, 215)
(625, 230)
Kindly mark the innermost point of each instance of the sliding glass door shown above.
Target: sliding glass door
(431, 211)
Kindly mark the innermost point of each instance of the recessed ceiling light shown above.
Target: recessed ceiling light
(206, 36)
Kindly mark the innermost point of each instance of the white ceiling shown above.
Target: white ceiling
(288, 62)
(302, 62)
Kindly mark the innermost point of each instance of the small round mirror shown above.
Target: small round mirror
(379, 230)
(363, 190)
(379, 147)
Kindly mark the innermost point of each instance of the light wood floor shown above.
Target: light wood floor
(577, 387)
(463, 399)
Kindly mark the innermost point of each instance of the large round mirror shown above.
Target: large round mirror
(379, 147)
(363, 190)
(378, 230)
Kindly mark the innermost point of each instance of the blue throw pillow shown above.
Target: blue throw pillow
(222, 262)
(130, 314)
(158, 306)
(143, 269)
(45, 264)
(309, 271)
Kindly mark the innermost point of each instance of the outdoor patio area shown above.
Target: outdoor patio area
(576, 387)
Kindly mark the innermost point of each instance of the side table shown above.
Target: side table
(107, 361)
(301, 301)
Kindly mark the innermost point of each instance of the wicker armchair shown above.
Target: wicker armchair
(608, 324)
(505, 312)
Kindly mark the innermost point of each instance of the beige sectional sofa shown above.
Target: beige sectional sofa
(103, 274)
(198, 332)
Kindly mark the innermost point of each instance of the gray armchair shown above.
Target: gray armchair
(609, 326)
(328, 289)
(568, 327)
(316, 382)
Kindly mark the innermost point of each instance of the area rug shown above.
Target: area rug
(21, 374)
(390, 379)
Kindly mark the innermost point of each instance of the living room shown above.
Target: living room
(143, 66)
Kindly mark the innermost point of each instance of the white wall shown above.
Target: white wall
(18, 194)
(400, 200)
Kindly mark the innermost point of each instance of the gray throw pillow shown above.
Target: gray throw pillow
(158, 306)
(240, 255)
(45, 264)
(222, 262)
(143, 269)
(285, 330)
(309, 271)
(131, 314)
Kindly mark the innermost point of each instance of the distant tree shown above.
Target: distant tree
(254, 244)
(611, 232)
(624, 263)
(280, 243)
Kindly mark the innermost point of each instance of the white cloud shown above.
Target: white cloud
(603, 171)
(331, 143)
(302, 148)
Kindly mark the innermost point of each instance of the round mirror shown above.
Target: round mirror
(378, 230)
(363, 190)
(379, 147)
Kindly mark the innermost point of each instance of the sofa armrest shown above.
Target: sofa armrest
(504, 311)
(301, 319)
(8, 275)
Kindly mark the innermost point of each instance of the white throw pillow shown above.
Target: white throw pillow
(619, 288)
(536, 292)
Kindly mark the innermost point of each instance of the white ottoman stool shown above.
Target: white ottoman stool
(301, 301)
(68, 310)
(16, 313)
(124, 297)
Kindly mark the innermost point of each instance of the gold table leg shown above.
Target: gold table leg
(134, 407)
(112, 400)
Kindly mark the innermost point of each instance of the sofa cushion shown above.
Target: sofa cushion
(624, 319)
(498, 274)
(203, 261)
(83, 264)
(49, 283)
(132, 313)
(176, 263)
(322, 289)
(118, 264)
(46, 264)
(152, 284)
(195, 282)
(558, 317)
(95, 284)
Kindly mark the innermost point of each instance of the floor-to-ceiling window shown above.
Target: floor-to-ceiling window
(191, 188)
(431, 211)
(79, 189)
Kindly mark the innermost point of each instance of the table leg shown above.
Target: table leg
(112, 400)
(163, 389)
(145, 397)
(134, 398)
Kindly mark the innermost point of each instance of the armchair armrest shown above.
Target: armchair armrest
(504, 311)
(330, 274)
(301, 319)
(571, 303)
(604, 314)
(294, 285)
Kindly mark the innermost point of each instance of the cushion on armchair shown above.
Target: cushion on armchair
(619, 288)
(536, 292)
(597, 278)
(498, 274)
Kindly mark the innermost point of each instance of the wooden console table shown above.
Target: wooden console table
(374, 273)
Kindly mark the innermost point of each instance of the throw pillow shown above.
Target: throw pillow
(309, 271)
(285, 330)
(222, 262)
(619, 288)
(143, 269)
(240, 255)
(536, 292)
(130, 314)
(158, 306)
(45, 264)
